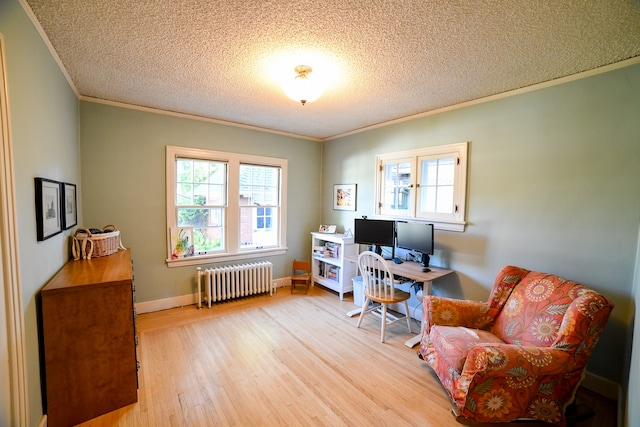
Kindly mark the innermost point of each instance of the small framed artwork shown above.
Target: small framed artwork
(69, 204)
(327, 229)
(344, 197)
(48, 213)
(181, 242)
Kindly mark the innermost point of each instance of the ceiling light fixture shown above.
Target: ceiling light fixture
(303, 88)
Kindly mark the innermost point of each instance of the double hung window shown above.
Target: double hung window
(233, 203)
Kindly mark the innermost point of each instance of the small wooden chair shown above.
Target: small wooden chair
(301, 274)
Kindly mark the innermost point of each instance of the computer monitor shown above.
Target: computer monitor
(415, 237)
(377, 232)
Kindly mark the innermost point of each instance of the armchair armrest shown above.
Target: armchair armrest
(454, 312)
(517, 377)
(517, 361)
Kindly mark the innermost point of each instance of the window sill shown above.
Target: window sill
(208, 259)
(449, 226)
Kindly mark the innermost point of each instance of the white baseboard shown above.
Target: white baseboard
(281, 283)
(166, 303)
(183, 300)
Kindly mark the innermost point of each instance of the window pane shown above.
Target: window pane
(208, 239)
(200, 183)
(429, 172)
(259, 227)
(397, 177)
(199, 217)
(184, 170)
(427, 199)
(216, 195)
(436, 185)
(200, 194)
(184, 196)
(446, 171)
(259, 185)
(445, 199)
(207, 227)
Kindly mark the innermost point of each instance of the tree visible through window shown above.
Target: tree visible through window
(201, 201)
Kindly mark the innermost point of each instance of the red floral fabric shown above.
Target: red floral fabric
(521, 354)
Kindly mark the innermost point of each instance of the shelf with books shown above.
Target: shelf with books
(329, 267)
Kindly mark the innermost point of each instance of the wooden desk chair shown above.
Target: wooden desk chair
(301, 274)
(379, 287)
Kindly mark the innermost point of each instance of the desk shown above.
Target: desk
(410, 270)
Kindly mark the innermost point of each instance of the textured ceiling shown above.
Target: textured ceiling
(382, 59)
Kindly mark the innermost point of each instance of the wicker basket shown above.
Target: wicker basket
(87, 245)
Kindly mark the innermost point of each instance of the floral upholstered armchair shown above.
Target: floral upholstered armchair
(520, 355)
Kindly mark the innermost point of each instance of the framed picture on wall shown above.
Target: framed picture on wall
(48, 213)
(344, 197)
(69, 205)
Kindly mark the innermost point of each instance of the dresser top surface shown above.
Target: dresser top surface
(107, 269)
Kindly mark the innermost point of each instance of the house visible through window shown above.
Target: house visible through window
(259, 203)
(235, 204)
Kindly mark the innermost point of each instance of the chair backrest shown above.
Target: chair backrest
(301, 266)
(545, 310)
(376, 277)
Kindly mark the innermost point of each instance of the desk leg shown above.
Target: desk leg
(414, 341)
(354, 312)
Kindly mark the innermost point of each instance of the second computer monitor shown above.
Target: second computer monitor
(416, 237)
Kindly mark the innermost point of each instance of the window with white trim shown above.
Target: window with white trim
(427, 184)
(235, 204)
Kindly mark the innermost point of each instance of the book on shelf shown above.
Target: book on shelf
(333, 273)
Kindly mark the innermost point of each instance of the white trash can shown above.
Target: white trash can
(358, 291)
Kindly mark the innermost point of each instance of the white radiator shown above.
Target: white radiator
(235, 281)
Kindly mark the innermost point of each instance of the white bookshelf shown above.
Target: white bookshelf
(328, 265)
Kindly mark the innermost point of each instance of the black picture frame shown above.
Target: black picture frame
(69, 204)
(48, 212)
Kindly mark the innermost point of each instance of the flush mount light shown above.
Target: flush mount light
(303, 88)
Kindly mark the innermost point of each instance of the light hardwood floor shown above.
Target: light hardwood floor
(286, 360)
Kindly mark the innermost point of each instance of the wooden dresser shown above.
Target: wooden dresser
(89, 337)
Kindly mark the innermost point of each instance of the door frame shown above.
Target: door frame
(10, 273)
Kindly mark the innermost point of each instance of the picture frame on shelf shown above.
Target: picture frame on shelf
(69, 205)
(48, 212)
(330, 229)
(344, 197)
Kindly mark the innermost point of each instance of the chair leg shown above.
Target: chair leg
(406, 310)
(365, 306)
(383, 327)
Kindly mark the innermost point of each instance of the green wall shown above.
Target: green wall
(123, 178)
(45, 133)
(553, 186)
